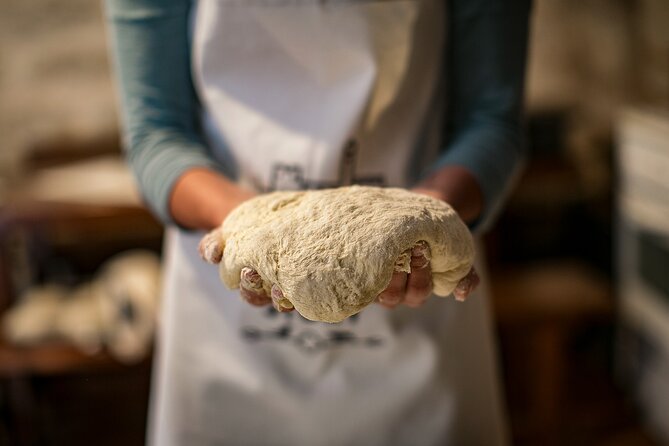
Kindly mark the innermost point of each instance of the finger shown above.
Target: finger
(393, 295)
(257, 299)
(466, 285)
(420, 255)
(211, 246)
(281, 304)
(251, 287)
(419, 281)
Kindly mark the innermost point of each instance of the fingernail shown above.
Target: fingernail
(462, 290)
(210, 248)
(390, 300)
(250, 278)
(280, 303)
(464, 285)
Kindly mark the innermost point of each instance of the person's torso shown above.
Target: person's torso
(313, 94)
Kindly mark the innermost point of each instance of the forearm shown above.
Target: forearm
(149, 43)
(202, 198)
(486, 63)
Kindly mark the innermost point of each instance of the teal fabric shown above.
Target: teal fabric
(485, 57)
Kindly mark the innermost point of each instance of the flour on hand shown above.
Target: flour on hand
(331, 252)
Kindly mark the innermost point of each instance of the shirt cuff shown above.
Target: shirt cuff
(159, 171)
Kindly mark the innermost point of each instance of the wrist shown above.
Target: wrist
(458, 187)
(202, 198)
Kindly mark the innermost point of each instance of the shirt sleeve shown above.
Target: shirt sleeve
(149, 44)
(485, 69)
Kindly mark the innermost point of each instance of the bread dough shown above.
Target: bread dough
(333, 251)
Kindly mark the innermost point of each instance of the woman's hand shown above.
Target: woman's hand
(195, 203)
(251, 286)
(412, 289)
(252, 290)
(459, 188)
(456, 186)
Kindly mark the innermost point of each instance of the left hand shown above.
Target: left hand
(412, 289)
(459, 188)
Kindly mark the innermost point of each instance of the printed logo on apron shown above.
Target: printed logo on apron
(293, 177)
(305, 338)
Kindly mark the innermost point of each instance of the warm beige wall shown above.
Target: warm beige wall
(589, 56)
(54, 76)
(595, 55)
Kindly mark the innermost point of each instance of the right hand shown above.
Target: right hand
(413, 288)
(252, 291)
(251, 286)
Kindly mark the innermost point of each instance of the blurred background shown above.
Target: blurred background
(579, 259)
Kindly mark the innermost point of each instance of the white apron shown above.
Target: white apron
(311, 94)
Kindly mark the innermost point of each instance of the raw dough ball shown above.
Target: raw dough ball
(333, 251)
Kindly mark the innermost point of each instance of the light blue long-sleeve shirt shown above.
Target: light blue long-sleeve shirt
(485, 53)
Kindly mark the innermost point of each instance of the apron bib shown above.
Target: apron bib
(311, 94)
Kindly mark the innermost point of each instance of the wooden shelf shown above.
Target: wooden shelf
(554, 292)
(85, 234)
(538, 310)
(89, 233)
(66, 219)
(50, 359)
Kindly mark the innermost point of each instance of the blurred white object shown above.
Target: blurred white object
(32, 319)
(118, 309)
(78, 319)
(643, 262)
(643, 163)
(130, 285)
(106, 179)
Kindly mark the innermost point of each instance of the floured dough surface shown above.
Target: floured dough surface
(333, 251)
